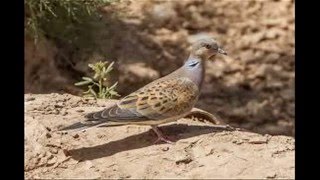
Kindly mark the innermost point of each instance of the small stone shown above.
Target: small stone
(58, 106)
(209, 151)
(64, 113)
(53, 150)
(30, 99)
(48, 135)
(101, 136)
(52, 160)
(76, 136)
(50, 157)
(80, 110)
(183, 160)
(165, 148)
(238, 142)
(56, 112)
(272, 176)
(38, 160)
(258, 140)
(49, 129)
(43, 154)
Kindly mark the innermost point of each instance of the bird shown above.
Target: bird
(164, 100)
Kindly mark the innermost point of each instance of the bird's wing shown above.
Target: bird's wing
(158, 100)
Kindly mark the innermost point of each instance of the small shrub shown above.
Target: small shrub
(100, 76)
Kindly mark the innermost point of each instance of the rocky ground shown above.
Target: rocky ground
(253, 88)
(201, 151)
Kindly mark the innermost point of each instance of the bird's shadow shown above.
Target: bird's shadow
(145, 139)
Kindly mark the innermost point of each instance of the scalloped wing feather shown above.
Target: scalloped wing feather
(162, 99)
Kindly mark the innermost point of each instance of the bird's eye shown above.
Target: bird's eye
(208, 46)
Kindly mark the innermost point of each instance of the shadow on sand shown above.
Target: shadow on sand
(145, 139)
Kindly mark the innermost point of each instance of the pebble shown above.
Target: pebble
(30, 99)
(60, 105)
(56, 112)
(53, 150)
(165, 148)
(48, 135)
(272, 176)
(238, 142)
(52, 160)
(258, 140)
(184, 160)
(43, 154)
(63, 113)
(76, 136)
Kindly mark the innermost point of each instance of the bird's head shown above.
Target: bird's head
(206, 48)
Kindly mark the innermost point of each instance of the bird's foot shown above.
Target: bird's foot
(161, 137)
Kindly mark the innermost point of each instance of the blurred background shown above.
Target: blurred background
(253, 88)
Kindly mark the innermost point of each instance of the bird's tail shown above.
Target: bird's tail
(94, 119)
(110, 117)
(81, 126)
(90, 121)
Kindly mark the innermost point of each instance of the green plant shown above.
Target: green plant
(99, 78)
(69, 21)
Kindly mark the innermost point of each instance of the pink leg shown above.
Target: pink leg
(161, 137)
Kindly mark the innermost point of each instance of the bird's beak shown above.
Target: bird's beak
(221, 51)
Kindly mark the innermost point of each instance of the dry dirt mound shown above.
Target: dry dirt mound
(128, 151)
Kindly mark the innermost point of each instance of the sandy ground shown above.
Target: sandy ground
(201, 151)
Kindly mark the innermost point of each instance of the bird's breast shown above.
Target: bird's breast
(196, 75)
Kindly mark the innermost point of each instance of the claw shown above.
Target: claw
(163, 140)
(161, 137)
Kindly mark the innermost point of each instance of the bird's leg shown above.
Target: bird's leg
(161, 137)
